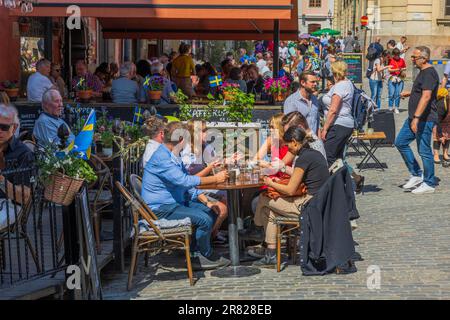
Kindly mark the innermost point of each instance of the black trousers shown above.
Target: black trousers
(337, 137)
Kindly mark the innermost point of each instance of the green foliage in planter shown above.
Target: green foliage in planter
(134, 132)
(51, 161)
(238, 109)
(185, 107)
(107, 138)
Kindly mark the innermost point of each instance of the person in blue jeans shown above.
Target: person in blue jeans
(396, 84)
(170, 192)
(376, 77)
(422, 118)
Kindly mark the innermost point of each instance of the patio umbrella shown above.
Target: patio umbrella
(328, 31)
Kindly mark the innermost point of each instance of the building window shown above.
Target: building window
(447, 7)
(318, 3)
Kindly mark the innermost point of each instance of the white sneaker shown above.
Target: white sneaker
(396, 111)
(423, 188)
(390, 109)
(413, 182)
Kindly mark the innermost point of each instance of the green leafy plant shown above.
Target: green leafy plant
(240, 106)
(51, 161)
(134, 132)
(185, 107)
(107, 138)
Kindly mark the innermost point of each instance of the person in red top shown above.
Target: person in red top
(278, 149)
(397, 69)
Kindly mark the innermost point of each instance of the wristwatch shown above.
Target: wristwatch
(283, 168)
(417, 117)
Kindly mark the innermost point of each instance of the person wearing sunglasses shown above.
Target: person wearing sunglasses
(13, 155)
(58, 81)
(422, 117)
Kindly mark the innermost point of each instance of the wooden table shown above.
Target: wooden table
(234, 207)
(374, 140)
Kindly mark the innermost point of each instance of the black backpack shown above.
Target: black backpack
(372, 52)
(361, 106)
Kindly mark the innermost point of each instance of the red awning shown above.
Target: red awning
(183, 19)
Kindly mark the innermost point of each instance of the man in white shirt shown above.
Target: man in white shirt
(284, 51)
(39, 82)
(401, 45)
(154, 128)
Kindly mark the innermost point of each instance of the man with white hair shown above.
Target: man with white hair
(46, 126)
(13, 155)
(125, 90)
(39, 82)
(157, 70)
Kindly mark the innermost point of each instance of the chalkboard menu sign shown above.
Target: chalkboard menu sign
(355, 67)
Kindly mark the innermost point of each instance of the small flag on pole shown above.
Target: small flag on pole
(83, 141)
(215, 81)
(137, 118)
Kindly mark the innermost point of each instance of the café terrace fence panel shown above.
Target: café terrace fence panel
(31, 238)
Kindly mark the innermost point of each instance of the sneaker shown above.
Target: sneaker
(423, 188)
(207, 263)
(268, 261)
(390, 109)
(413, 182)
(396, 111)
(257, 252)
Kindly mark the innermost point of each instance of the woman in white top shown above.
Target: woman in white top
(339, 122)
(376, 78)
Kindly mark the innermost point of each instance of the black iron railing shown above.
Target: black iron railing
(31, 238)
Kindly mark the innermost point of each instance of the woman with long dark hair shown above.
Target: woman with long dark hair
(310, 173)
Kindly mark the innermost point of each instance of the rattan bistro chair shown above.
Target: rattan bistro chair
(18, 228)
(155, 239)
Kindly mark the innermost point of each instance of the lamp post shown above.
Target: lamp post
(330, 17)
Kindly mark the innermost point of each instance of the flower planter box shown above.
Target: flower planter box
(12, 93)
(85, 95)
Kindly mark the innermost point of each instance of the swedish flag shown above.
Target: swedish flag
(215, 81)
(83, 141)
(137, 118)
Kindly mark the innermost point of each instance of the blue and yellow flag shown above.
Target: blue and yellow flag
(138, 118)
(215, 81)
(83, 141)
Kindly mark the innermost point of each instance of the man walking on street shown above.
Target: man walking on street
(419, 125)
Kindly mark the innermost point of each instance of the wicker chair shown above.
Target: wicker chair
(156, 239)
(19, 229)
(100, 194)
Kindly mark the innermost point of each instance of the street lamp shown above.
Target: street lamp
(330, 17)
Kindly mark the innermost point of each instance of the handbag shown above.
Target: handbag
(274, 194)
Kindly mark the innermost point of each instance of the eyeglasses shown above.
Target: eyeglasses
(417, 57)
(5, 127)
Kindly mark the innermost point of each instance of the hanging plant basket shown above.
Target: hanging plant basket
(61, 189)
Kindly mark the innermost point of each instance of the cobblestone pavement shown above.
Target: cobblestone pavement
(407, 236)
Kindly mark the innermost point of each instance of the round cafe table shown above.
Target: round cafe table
(234, 207)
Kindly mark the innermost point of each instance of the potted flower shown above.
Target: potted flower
(63, 174)
(83, 90)
(24, 24)
(228, 89)
(11, 88)
(107, 140)
(155, 86)
(133, 132)
(278, 87)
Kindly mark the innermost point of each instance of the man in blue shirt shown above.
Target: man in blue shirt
(123, 89)
(46, 126)
(304, 101)
(171, 193)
